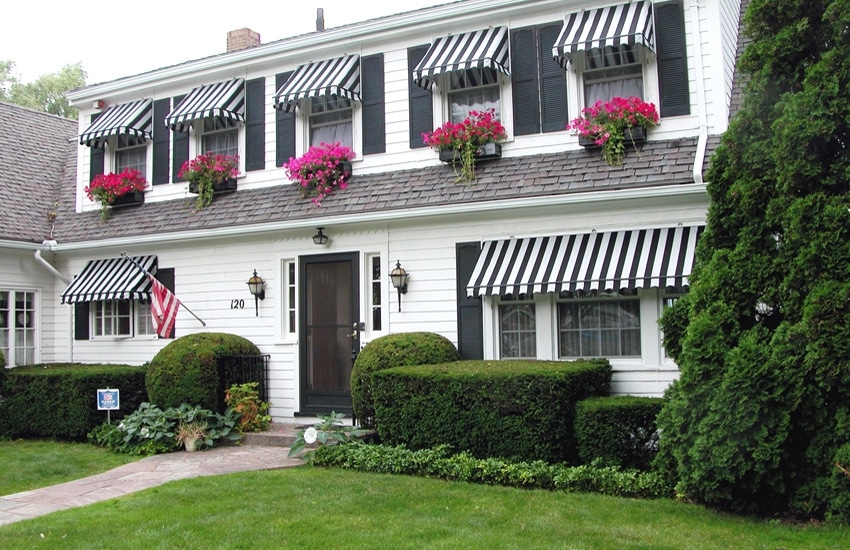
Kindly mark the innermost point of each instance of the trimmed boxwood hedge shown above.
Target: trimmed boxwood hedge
(510, 409)
(60, 400)
(618, 431)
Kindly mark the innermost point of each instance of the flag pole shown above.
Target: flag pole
(146, 272)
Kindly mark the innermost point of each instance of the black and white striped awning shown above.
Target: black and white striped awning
(617, 260)
(610, 27)
(133, 119)
(224, 99)
(332, 77)
(486, 48)
(111, 279)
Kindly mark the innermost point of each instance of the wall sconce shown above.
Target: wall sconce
(257, 286)
(399, 276)
(320, 238)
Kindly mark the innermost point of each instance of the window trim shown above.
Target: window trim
(442, 107)
(11, 353)
(196, 141)
(134, 318)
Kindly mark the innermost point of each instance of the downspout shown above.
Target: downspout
(56, 273)
(702, 140)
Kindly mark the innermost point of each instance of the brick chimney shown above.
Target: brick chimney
(242, 39)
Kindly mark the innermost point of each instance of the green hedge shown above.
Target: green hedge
(439, 463)
(60, 400)
(618, 431)
(508, 409)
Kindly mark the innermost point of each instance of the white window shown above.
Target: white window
(220, 136)
(289, 301)
(331, 120)
(473, 90)
(375, 293)
(517, 330)
(17, 327)
(599, 328)
(121, 318)
(131, 153)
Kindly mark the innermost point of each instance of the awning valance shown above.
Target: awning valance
(134, 119)
(486, 48)
(111, 279)
(224, 99)
(617, 260)
(613, 26)
(331, 77)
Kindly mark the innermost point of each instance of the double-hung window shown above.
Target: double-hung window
(17, 327)
(473, 90)
(612, 72)
(131, 154)
(220, 136)
(331, 120)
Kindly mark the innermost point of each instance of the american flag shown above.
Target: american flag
(164, 306)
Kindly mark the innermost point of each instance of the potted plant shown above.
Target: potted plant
(117, 190)
(320, 170)
(477, 137)
(208, 174)
(191, 434)
(611, 124)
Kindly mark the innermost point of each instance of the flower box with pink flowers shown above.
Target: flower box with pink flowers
(610, 125)
(321, 170)
(476, 138)
(117, 190)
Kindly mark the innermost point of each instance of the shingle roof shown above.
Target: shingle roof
(37, 152)
(739, 79)
(656, 163)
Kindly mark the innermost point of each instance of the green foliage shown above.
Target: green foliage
(762, 405)
(186, 371)
(329, 431)
(406, 349)
(489, 408)
(59, 400)
(245, 400)
(440, 463)
(618, 431)
(46, 93)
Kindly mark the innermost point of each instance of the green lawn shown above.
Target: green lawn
(30, 464)
(309, 507)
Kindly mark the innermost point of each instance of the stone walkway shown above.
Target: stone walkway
(142, 474)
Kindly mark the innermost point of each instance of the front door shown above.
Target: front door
(329, 338)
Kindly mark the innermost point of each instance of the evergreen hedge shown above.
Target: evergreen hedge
(60, 400)
(618, 431)
(510, 409)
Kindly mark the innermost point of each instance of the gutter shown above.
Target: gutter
(663, 193)
(49, 267)
(702, 141)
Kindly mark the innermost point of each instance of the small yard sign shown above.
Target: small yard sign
(107, 400)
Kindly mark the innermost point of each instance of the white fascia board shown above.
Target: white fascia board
(390, 26)
(21, 245)
(663, 192)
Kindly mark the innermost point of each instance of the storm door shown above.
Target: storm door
(329, 339)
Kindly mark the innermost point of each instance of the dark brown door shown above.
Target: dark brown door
(329, 306)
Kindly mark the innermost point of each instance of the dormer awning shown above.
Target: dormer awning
(486, 48)
(224, 99)
(609, 27)
(132, 119)
(111, 279)
(338, 77)
(597, 261)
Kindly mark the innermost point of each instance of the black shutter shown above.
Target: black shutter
(672, 59)
(95, 157)
(553, 80)
(255, 124)
(470, 329)
(166, 277)
(421, 108)
(81, 321)
(374, 116)
(161, 141)
(181, 146)
(284, 127)
(524, 81)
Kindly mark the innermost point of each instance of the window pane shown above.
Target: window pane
(330, 121)
(612, 72)
(225, 142)
(599, 328)
(5, 312)
(518, 331)
(134, 158)
(473, 90)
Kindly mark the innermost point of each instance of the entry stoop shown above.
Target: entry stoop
(278, 435)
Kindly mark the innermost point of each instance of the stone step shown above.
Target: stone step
(278, 435)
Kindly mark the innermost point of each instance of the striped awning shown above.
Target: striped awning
(134, 119)
(111, 279)
(224, 99)
(617, 260)
(624, 24)
(486, 48)
(331, 77)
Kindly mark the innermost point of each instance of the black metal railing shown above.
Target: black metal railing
(242, 369)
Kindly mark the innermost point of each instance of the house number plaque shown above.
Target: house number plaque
(237, 304)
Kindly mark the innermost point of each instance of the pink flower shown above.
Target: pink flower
(318, 171)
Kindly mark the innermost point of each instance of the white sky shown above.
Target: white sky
(114, 39)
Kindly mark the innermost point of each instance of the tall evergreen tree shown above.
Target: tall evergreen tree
(760, 416)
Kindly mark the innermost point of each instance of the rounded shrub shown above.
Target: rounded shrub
(406, 349)
(185, 370)
(2, 369)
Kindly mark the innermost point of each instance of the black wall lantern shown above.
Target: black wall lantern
(399, 276)
(257, 286)
(320, 238)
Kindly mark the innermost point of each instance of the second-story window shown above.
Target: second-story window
(220, 137)
(331, 120)
(612, 72)
(131, 153)
(473, 90)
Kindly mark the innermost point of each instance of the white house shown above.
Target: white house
(549, 253)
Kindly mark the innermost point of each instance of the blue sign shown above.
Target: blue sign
(107, 400)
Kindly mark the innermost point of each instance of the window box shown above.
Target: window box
(219, 187)
(635, 134)
(485, 152)
(133, 198)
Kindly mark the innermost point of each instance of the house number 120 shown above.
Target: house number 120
(237, 304)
